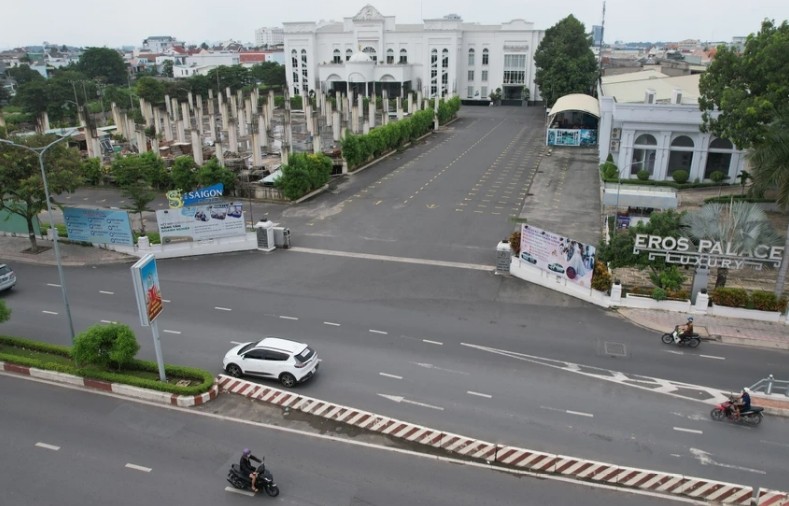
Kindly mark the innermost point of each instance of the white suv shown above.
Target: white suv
(7, 277)
(287, 361)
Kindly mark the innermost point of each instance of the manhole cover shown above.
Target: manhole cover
(615, 349)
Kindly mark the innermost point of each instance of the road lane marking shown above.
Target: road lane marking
(54, 285)
(713, 357)
(675, 352)
(398, 399)
(386, 375)
(165, 300)
(774, 443)
(705, 458)
(238, 491)
(168, 331)
(428, 341)
(138, 468)
(108, 321)
(332, 324)
(288, 317)
(692, 431)
(220, 308)
(373, 331)
(236, 342)
(676, 455)
(49, 312)
(487, 396)
(47, 446)
(579, 413)
(106, 292)
(436, 368)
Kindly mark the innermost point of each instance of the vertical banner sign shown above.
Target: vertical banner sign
(146, 289)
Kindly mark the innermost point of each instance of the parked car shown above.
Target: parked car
(7, 278)
(528, 258)
(556, 268)
(286, 361)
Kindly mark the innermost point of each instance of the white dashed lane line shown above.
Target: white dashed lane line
(168, 331)
(713, 357)
(283, 317)
(47, 446)
(104, 292)
(579, 413)
(49, 312)
(332, 324)
(219, 308)
(487, 396)
(138, 468)
(428, 341)
(692, 431)
(387, 375)
(373, 331)
(53, 285)
(165, 300)
(108, 321)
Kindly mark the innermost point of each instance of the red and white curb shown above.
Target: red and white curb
(535, 461)
(185, 401)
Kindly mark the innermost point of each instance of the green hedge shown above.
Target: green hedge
(358, 149)
(670, 184)
(205, 378)
(738, 297)
(725, 199)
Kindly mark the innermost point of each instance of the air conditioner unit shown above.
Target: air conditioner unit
(616, 133)
(614, 146)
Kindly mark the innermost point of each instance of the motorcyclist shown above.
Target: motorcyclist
(684, 331)
(247, 467)
(742, 402)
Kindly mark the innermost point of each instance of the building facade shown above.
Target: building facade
(440, 57)
(269, 36)
(652, 122)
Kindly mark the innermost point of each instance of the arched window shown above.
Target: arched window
(471, 57)
(434, 56)
(390, 56)
(644, 153)
(348, 54)
(304, 57)
(403, 56)
(294, 58)
(444, 71)
(484, 56)
(370, 51)
(718, 157)
(336, 56)
(681, 157)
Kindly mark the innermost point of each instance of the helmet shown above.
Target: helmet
(690, 318)
(246, 452)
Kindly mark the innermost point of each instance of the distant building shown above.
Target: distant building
(439, 57)
(269, 36)
(160, 43)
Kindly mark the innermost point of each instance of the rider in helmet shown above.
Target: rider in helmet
(684, 330)
(247, 468)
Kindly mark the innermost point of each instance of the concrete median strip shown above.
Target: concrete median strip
(510, 456)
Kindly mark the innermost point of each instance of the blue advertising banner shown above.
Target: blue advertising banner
(98, 226)
(207, 194)
(147, 290)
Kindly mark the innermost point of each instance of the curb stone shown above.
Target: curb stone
(509, 456)
(184, 401)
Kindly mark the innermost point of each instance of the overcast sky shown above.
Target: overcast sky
(114, 23)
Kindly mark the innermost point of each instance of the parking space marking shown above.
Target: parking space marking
(138, 468)
(393, 376)
(428, 341)
(332, 324)
(55, 285)
(47, 446)
(220, 308)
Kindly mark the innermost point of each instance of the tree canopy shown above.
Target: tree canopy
(565, 61)
(104, 64)
(749, 89)
(269, 73)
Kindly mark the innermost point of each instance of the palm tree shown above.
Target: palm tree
(742, 224)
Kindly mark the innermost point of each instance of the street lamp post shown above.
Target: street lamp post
(40, 153)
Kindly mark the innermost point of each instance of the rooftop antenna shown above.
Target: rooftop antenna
(600, 45)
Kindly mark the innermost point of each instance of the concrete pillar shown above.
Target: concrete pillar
(149, 107)
(354, 120)
(190, 100)
(263, 132)
(335, 126)
(371, 112)
(212, 126)
(186, 116)
(197, 148)
(142, 146)
(338, 101)
(211, 106)
(130, 129)
(399, 105)
(232, 135)
(234, 107)
(435, 113)
(419, 99)
(308, 120)
(225, 116)
(248, 110)
(228, 93)
(44, 119)
(174, 108)
(316, 137)
(384, 107)
(219, 153)
(157, 120)
(271, 105)
(360, 108)
(411, 103)
(181, 129)
(702, 303)
(155, 146)
(168, 105)
(257, 159)
(116, 118)
(168, 128)
(616, 293)
(365, 127)
(287, 127)
(328, 113)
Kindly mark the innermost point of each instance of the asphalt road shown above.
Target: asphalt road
(102, 450)
(403, 329)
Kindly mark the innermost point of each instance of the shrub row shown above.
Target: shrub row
(205, 378)
(739, 297)
(358, 149)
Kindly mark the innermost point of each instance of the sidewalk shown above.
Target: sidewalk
(13, 250)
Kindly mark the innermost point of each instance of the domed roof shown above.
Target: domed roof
(360, 57)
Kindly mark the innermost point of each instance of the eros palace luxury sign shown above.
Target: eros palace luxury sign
(707, 253)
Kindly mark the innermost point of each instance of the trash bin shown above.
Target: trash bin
(503, 256)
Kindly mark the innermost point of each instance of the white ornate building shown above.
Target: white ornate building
(446, 57)
(651, 121)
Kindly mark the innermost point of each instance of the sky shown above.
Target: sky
(116, 23)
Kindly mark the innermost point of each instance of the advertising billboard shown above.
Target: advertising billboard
(178, 198)
(200, 223)
(557, 254)
(147, 290)
(98, 226)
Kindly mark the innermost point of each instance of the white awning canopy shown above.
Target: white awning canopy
(576, 102)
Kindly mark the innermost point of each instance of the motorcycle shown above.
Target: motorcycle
(264, 481)
(725, 411)
(690, 341)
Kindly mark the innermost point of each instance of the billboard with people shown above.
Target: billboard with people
(557, 254)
